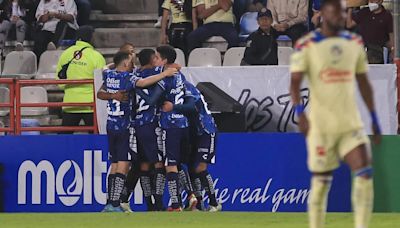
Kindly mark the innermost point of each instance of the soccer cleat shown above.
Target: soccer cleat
(170, 209)
(126, 207)
(192, 203)
(215, 208)
(110, 208)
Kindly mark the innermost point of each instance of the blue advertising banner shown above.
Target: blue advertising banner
(254, 172)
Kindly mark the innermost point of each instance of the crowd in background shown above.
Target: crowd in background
(193, 22)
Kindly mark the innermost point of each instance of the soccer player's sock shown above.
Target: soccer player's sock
(110, 184)
(131, 180)
(196, 183)
(160, 187)
(118, 186)
(317, 203)
(184, 182)
(362, 197)
(173, 189)
(145, 181)
(208, 185)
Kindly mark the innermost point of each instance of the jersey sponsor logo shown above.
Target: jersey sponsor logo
(113, 83)
(177, 116)
(86, 184)
(331, 75)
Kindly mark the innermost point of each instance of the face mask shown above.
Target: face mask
(373, 6)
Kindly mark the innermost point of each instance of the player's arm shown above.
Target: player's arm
(149, 81)
(366, 90)
(102, 94)
(187, 108)
(368, 96)
(151, 100)
(204, 13)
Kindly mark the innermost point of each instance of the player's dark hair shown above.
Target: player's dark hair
(168, 53)
(120, 57)
(126, 46)
(330, 2)
(145, 56)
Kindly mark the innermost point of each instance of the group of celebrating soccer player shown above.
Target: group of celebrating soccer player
(159, 131)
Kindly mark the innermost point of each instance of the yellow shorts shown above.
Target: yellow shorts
(326, 150)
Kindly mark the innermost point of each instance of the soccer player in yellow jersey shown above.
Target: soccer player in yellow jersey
(333, 61)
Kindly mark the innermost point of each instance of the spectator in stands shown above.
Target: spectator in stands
(375, 24)
(58, 21)
(316, 17)
(181, 26)
(84, 9)
(13, 16)
(290, 17)
(262, 47)
(218, 20)
(256, 5)
(84, 61)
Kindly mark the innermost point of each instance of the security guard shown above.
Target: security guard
(83, 61)
(262, 47)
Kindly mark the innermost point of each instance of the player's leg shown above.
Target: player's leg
(322, 160)
(185, 184)
(205, 156)
(145, 181)
(359, 160)
(123, 156)
(160, 179)
(112, 142)
(171, 148)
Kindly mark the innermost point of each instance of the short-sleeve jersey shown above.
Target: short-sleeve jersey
(219, 16)
(119, 112)
(176, 9)
(203, 119)
(146, 113)
(174, 88)
(330, 65)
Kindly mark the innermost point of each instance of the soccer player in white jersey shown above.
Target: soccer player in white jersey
(333, 61)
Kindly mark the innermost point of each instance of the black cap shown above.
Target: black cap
(264, 13)
(85, 33)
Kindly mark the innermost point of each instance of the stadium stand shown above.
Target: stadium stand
(48, 64)
(180, 57)
(204, 57)
(4, 98)
(20, 64)
(34, 94)
(284, 55)
(248, 24)
(234, 56)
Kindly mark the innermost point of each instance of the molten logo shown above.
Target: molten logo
(82, 184)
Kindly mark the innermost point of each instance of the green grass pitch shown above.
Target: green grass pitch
(186, 219)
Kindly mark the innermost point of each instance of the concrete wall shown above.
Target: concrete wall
(126, 6)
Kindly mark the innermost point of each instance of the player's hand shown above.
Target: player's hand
(303, 124)
(120, 96)
(175, 65)
(169, 72)
(316, 19)
(167, 106)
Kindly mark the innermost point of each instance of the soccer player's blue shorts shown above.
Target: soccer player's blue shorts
(205, 148)
(174, 140)
(119, 145)
(149, 142)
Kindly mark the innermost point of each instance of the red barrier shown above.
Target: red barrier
(10, 105)
(19, 105)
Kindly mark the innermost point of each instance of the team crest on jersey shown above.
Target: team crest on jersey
(336, 52)
(78, 55)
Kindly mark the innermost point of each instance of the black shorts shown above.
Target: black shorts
(119, 146)
(149, 143)
(205, 148)
(174, 140)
